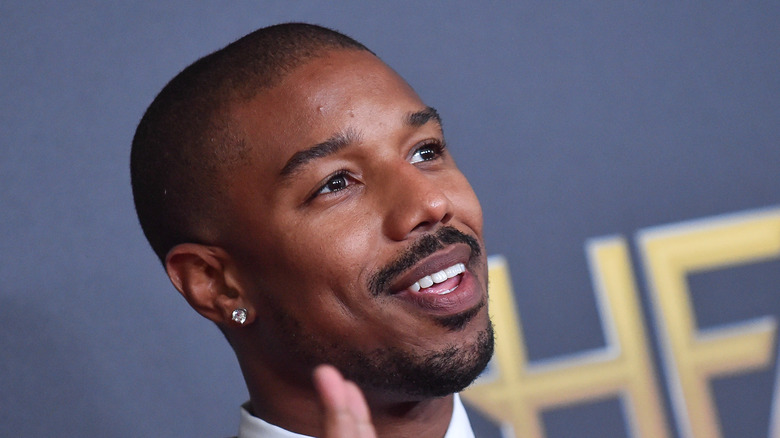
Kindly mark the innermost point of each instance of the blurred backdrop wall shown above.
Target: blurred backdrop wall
(626, 156)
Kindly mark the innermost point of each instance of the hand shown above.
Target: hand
(345, 410)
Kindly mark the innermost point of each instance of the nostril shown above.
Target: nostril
(418, 202)
(423, 226)
(437, 213)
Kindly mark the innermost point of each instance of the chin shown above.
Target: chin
(459, 322)
(402, 375)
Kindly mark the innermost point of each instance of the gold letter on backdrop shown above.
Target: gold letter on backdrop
(515, 392)
(693, 357)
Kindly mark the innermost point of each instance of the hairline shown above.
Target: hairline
(191, 122)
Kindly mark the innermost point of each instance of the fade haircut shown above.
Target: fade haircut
(185, 144)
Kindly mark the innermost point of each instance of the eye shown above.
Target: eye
(427, 152)
(335, 183)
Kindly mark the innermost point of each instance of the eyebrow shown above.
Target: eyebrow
(419, 118)
(345, 138)
(330, 146)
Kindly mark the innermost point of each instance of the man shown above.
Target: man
(301, 196)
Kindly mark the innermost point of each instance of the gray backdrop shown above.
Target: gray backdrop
(571, 119)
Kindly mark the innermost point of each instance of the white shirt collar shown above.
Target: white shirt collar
(460, 426)
(253, 427)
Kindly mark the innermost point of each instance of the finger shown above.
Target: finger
(346, 413)
(337, 421)
(331, 387)
(358, 408)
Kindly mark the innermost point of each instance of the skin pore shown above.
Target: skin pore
(348, 198)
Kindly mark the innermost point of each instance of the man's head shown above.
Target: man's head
(314, 189)
(186, 141)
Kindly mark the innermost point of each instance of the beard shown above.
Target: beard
(395, 372)
(432, 374)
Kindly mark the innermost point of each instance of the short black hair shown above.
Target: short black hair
(184, 143)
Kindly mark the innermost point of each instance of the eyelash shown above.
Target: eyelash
(340, 174)
(435, 146)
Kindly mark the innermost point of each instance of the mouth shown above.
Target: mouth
(441, 283)
(438, 278)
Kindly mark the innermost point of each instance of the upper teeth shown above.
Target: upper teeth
(438, 277)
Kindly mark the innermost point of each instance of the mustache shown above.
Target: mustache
(420, 249)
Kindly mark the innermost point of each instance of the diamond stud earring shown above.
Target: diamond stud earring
(239, 315)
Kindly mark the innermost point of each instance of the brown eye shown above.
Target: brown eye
(335, 183)
(427, 152)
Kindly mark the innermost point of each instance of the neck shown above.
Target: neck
(287, 403)
(282, 393)
(427, 418)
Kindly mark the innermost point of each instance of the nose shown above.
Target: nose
(415, 202)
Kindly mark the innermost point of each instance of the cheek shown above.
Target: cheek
(328, 253)
(467, 206)
(351, 252)
(320, 276)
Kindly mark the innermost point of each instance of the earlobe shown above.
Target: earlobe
(198, 273)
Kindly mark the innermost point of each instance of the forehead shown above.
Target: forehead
(340, 90)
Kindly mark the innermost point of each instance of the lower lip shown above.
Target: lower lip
(464, 297)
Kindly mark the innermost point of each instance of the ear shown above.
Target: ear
(199, 273)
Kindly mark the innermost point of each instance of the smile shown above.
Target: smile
(439, 277)
(441, 284)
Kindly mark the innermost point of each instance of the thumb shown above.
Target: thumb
(345, 411)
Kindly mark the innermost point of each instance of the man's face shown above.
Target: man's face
(350, 206)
